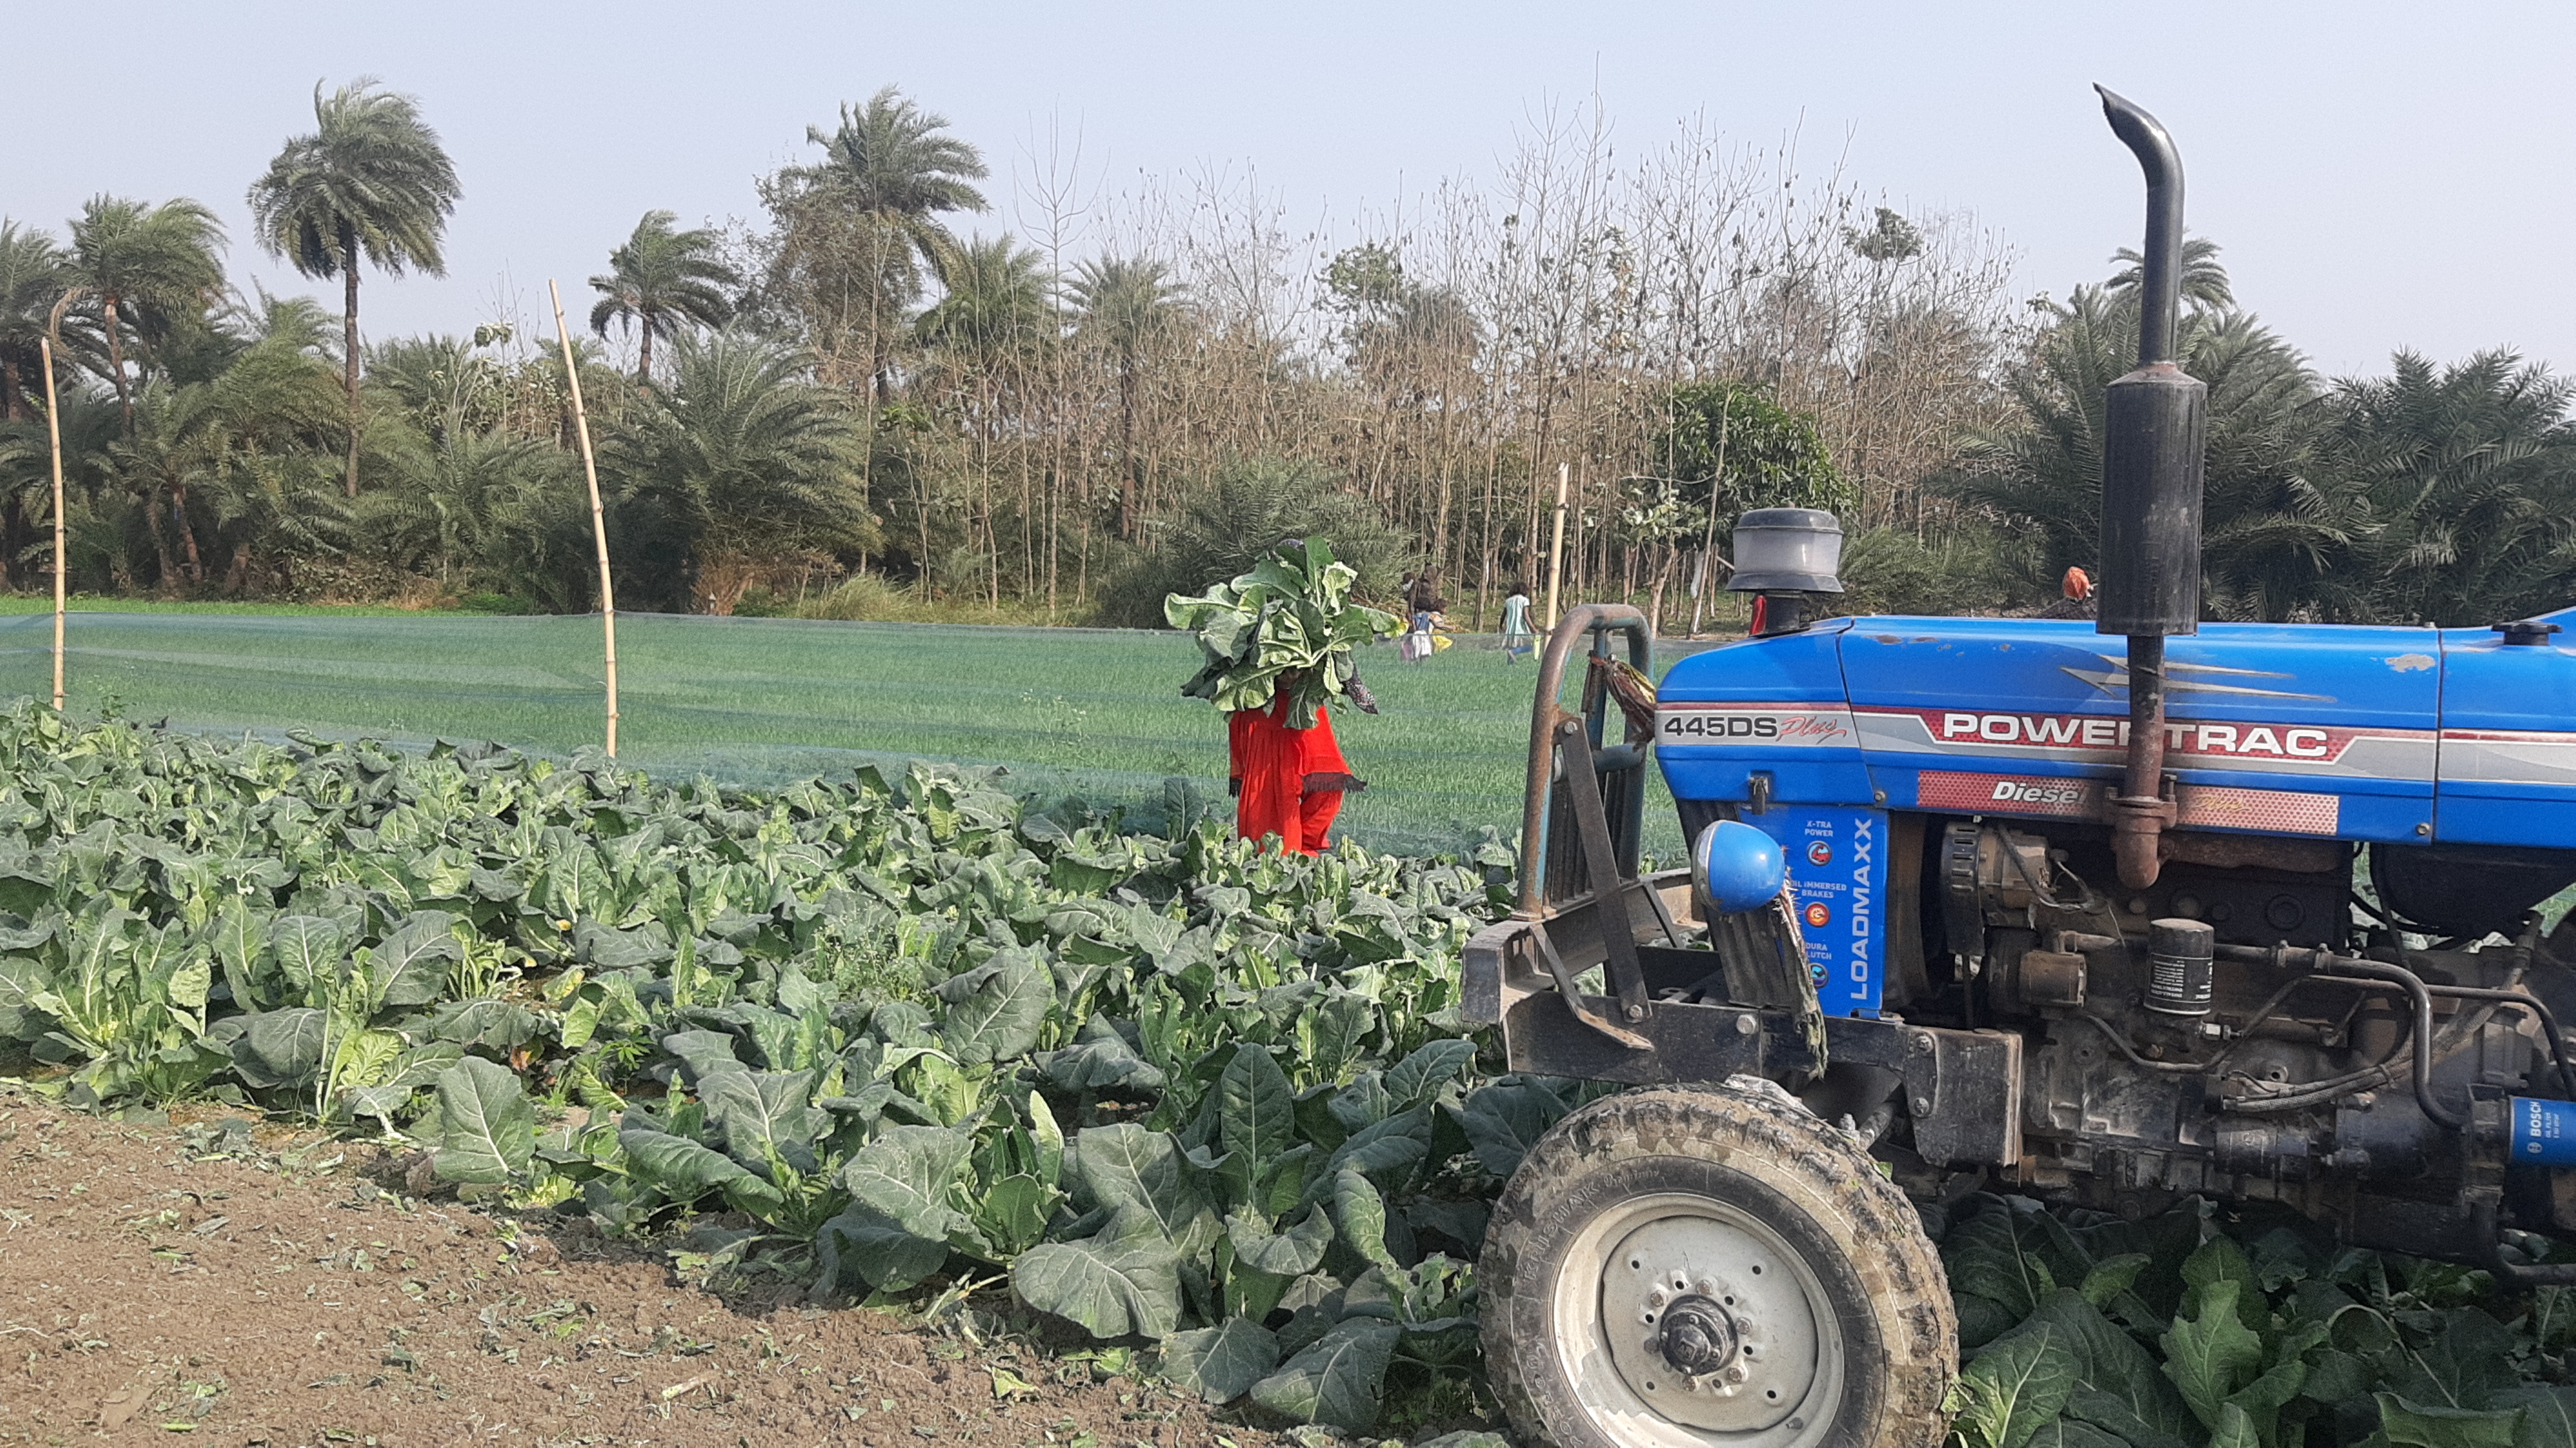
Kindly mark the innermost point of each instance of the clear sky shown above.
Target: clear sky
(2380, 176)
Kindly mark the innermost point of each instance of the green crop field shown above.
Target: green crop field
(13, 604)
(1093, 712)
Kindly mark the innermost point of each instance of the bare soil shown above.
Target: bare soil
(245, 1285)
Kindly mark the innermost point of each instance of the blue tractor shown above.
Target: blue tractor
(2107, 912)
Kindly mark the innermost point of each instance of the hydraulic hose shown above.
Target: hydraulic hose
(2422, 999)
(2420, 1044)
(2329, 964)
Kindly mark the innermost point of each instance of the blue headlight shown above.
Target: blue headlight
(1737, 867)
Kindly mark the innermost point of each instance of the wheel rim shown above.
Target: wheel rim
(1686, 1321)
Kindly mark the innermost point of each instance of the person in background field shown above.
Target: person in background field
(1422, 592)
(1517, 637)
(1422, 605)
(2075, 598)
(1415, 646)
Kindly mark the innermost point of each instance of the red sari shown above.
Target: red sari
(1288, 782)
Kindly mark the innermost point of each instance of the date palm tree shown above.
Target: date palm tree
(743, 456)
(370, 184)
(858, 226)
(2470, 473)
(34, 274)
(2278, 529)
(999, 314)
(889, 159)
(996, 302)
(139, 265)
(2204, 279)
(200, 441)
(659, 279)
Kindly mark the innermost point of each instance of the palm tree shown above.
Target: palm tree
(1240, 511)
(34, 274)
(1125, 305)
(996, 302)
(444, 386)
(457, 495)
(2203, 281)
(272, 398)
(661, 278)
(888, 159)
(2278, 529)
(744, 457)
(141, 265)
(861, 222)
(998, 314)
(372, 184)
(90, 428)
(2470, 473)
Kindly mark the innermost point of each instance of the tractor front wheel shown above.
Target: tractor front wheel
(1713, 1268)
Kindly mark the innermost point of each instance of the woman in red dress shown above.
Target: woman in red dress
(1287, 782)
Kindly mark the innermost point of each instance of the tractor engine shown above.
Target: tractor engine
(2244, 1028)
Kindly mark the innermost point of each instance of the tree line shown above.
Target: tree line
(853, 399)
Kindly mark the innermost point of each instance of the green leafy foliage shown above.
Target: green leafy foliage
(1123, 1280)
(1170, 1088)
(1221, 1363)
(2210, 1355)
(1736, 442)
(1335, 1380)
(1177, 1088)
(2017, 1387)
(486, 1131)
(1288, 624)
(2191, 1330)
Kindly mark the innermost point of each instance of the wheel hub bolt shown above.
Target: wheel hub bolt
(1698, 1337)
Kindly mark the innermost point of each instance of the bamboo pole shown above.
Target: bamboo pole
(1556, 548)
(54, 436)
(598, 516)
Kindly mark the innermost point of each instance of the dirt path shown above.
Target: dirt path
(258, 1288)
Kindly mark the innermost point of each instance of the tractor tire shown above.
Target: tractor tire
(1713, 1268)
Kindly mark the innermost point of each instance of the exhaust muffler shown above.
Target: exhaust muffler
(2155, 432)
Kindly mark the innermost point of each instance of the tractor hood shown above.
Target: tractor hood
(2360, 733)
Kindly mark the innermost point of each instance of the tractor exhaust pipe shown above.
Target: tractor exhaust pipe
(2155, 430)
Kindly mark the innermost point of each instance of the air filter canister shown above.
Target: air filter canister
(2178, 956)
(2544, 1132)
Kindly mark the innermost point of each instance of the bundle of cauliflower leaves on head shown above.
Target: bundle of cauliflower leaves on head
(1287, 627)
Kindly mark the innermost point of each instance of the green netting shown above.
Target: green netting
(1090, 712)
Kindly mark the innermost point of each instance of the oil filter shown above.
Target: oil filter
(2544, 1132)
(2178, 971)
